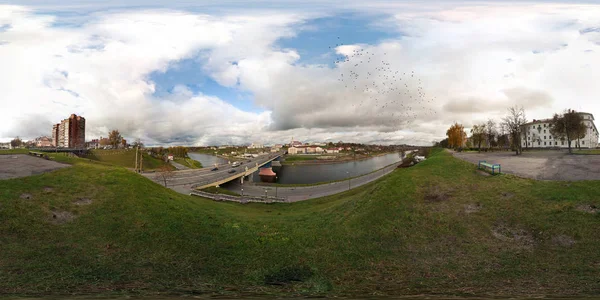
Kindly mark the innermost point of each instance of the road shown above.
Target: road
(294, 194)
(184, 179)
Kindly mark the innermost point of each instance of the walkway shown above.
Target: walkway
(541, 165)
(179, 166)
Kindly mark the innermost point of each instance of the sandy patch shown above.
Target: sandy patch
(26, 196)
(61, 217)
(563, 241)
(83, 201)
(592, 209)
(472, 208)
(517, 237)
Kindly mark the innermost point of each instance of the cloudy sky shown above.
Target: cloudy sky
(179, 72)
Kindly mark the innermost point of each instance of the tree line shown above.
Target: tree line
(506, 134)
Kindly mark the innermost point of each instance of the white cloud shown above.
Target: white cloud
(473, 60)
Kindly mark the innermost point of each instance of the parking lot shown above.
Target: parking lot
(541, 165)
(20, 165)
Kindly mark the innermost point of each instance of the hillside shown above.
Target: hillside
(125, 158)
(437, 228)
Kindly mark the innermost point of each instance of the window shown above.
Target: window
(544, 143)
(544, 130)
(528, 138)
(544, 137)
(562, 143)
(555, 143)
(550, 137)
(583, 142)
(539, 143)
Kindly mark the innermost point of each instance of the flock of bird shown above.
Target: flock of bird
(380, 88)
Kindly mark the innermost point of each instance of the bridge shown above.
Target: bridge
(203, 178)
(49, 149)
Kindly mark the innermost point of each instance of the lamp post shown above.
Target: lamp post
(348, 173)
(265, 194)
(242, 192)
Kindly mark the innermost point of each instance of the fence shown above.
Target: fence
(239, 199)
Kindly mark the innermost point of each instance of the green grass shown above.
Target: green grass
(125, 158)
(188, 162)
(407, 233)
(14, 151)
(587, 152)
(219, 190)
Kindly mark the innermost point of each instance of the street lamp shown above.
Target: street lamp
(242, 192)
(348, 173)
(265, 193)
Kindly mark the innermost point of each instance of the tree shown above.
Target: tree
(114, 138)
(478, 135)
(165, 173)
(16, 142)
(138, 143)
(456, 135)
(491, 133)
(514, 122)
(568, 126)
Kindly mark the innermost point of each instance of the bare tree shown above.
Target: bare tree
(568, 126)
(165, 174)
(514, 122)
(491, 132)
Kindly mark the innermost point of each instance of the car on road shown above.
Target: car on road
(231, 171)
(214, 169)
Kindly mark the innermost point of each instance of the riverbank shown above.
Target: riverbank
(343, 159)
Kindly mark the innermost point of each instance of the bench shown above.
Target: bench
(493, 167)
(38, 154)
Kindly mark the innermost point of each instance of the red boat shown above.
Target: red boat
(267, 175)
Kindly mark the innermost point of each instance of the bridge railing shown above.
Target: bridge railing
(240, 199)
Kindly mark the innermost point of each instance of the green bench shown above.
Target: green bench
(493, 167)
(39, 154)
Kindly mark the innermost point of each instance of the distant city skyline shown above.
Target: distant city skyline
(236, 72)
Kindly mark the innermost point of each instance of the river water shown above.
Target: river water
(298, 174)
(207, 160)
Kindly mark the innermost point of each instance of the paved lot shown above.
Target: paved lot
(541, 165)
(20, 165)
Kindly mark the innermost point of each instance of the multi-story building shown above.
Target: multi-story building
(536, 134)
(69, 133)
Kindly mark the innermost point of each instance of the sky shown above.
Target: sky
(236, 72)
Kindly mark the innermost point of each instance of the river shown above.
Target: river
(207, 160)
(299, 174)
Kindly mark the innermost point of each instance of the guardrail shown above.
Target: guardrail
(239, 199)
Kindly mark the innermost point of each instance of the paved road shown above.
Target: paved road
(21, 165)
(541, 165)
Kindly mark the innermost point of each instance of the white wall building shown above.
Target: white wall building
(256, 146)
(537, 134)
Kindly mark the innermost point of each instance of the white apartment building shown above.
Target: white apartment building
(256, 146)
(536, 134)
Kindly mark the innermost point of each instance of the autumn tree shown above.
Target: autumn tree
(16, 142)
(115, 138)
(568, 126)
(514, 123)
(478, 135)
(456, 135)
(165, 173)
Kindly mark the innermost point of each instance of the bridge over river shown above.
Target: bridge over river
(203, 178)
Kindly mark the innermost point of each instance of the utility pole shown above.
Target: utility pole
(136, 158)
(141, 162)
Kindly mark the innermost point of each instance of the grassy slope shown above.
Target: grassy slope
(125, 158)
(219, 190)
(383, 238)
(587, 152)
(188, 162)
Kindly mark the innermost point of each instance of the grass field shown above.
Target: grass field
(437, 228)
(587, 152)
(125, 158)
(219, 190)
(188, 162)
(14, 151)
